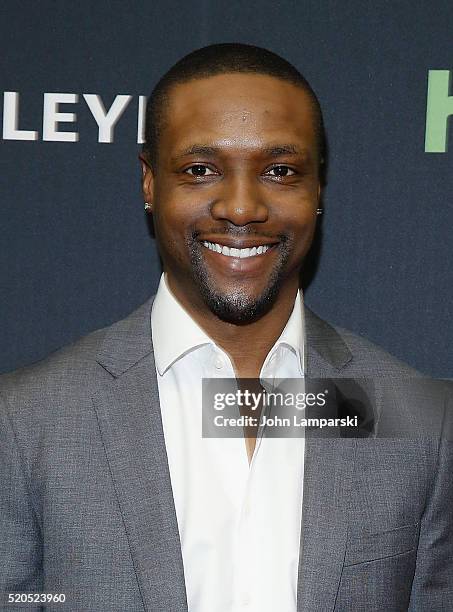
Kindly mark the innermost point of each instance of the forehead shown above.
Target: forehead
(238, 110)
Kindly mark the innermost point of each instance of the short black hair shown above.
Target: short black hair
(217, 59)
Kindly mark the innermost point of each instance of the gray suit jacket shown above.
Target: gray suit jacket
(86, 505)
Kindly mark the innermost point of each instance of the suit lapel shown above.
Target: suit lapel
(327, 474)
(127, 408)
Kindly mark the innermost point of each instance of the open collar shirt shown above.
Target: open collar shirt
(239, 523)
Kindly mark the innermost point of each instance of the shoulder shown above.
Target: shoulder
(75, 370)
(366, 353)
(412, 402)
(357, 355)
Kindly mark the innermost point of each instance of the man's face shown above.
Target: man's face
(234, 192)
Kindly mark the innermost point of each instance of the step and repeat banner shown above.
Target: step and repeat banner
(76, 250)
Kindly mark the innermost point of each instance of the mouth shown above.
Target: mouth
(238, 252)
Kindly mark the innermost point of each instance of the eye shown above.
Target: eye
(199, 170)
(280, 171)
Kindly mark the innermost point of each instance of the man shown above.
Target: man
(111, 496)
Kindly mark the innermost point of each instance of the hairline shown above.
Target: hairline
(165, 87)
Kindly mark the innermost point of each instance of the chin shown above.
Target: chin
(238, 307)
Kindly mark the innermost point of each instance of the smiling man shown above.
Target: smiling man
(236, 185)
(111, 495)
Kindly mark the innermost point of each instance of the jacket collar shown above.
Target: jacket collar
(323, 341)
(127, 342)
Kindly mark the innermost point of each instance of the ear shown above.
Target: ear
(147, 179)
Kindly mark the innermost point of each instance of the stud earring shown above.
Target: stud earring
(147, 206)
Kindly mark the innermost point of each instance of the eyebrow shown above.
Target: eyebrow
(284, 149)
(272, 151)
(197, 149)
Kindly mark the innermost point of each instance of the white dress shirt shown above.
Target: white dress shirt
(239, 523)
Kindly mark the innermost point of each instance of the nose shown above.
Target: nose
(240, 202)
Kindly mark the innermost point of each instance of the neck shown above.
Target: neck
(247, 345)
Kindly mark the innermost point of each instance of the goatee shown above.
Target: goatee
(237, 306)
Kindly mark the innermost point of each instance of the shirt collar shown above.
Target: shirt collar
(175, 333)
(293, 334)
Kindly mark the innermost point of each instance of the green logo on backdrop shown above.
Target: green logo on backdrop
(439, 107)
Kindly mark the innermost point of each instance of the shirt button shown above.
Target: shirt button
(218, 363)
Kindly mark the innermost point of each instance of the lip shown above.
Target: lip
(239, 268)
(238, 244)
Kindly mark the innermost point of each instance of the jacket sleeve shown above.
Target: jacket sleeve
(20, 540)
(432, 588)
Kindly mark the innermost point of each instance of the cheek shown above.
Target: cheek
(302, 242)
(297, 217)
(307, 236)
(174, 222)
(299, 224)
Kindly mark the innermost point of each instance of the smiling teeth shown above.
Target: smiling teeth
(232, 252)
